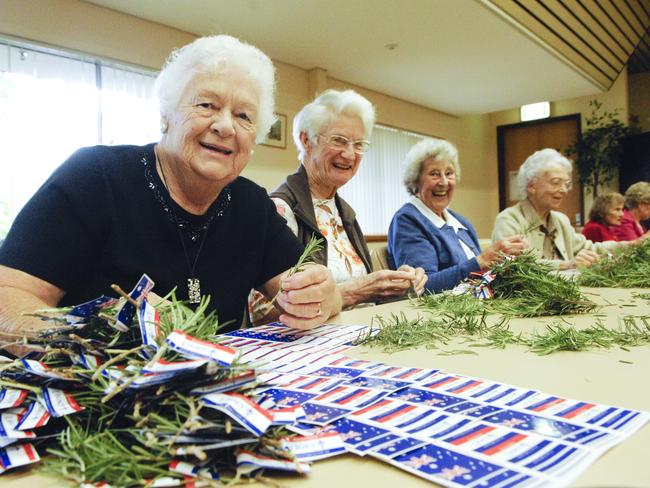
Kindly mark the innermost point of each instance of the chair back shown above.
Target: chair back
(379, 258)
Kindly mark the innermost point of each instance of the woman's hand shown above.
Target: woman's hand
(586, 258)
(308, 298)
(419, 280)
(510, 246)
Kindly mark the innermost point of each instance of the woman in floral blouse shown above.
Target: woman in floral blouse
(331, 134)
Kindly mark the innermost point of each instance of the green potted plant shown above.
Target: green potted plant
(598, 149)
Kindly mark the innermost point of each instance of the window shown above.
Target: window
(52, 103)
(377, 191)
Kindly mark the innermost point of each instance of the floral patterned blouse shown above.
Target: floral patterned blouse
(342, 260)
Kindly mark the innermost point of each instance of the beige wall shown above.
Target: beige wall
(640, 98)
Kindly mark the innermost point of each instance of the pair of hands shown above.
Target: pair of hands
(511, 246)
(383, 285)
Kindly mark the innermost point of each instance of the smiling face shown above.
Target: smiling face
(547, 190)
(329, 168)
(613, 213)
(436, 184)
(212, 131)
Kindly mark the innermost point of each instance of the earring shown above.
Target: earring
(163, 126)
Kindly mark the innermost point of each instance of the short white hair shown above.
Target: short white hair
(438, 149)
(536, 164)
(212, 55)
(317, 115)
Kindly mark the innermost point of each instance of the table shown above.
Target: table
(597, 376)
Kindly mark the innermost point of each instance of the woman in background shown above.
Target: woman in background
(544, 181)
(606, 213)
(637, 205)
(331, 134)
(426, 233)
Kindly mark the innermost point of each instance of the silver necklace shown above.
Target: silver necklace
(193, 283)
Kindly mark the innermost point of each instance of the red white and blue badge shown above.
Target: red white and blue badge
(149, 320)
(241, 409)
(125, 313)
(11, 398)
(194, 348)
(59, 403)
(15, 456)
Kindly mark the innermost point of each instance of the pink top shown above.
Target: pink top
(629, 229)
(597, 232)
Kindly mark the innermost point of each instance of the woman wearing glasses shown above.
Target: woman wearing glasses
(331, 134)
(425, 232)
(544, 181)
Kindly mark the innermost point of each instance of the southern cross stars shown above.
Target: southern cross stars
(418, 462)
(452, 473)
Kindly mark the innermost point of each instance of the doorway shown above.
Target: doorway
(515, 142)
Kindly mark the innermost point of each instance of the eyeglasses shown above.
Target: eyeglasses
(337, 141)
(557, 183)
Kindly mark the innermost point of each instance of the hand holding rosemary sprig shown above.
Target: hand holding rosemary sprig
(308, 293)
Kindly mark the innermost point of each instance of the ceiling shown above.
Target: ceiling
(456, 56)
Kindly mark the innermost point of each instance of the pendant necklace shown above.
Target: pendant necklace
(193, 283)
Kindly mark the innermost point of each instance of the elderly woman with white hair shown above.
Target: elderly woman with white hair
(544, 181)
(177, 209)
(426, 233)
(332, 134)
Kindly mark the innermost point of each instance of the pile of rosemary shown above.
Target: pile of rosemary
(126, 431)
(436, 332)
(628, 267)
(526, 287)
(523, 287)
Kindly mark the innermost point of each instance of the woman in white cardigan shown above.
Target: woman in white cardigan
(544, 181)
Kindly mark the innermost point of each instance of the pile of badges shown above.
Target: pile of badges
(476, 285)
(95, 366)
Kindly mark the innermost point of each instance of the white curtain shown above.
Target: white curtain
(377, 191)
(50, 105)
(48, 108)
(128, 92)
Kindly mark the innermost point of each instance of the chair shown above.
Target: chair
(379, 258)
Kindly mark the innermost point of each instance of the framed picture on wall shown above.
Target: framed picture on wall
(277, 136)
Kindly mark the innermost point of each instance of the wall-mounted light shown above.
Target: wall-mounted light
(534, 111)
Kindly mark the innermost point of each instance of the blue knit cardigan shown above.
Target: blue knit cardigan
(414, 240)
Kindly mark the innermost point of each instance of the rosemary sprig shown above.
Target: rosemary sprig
(116, 455)
(313, 246)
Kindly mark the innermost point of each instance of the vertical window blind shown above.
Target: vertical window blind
(377, 192)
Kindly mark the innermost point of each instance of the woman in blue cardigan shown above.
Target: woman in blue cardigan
(426, 233)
